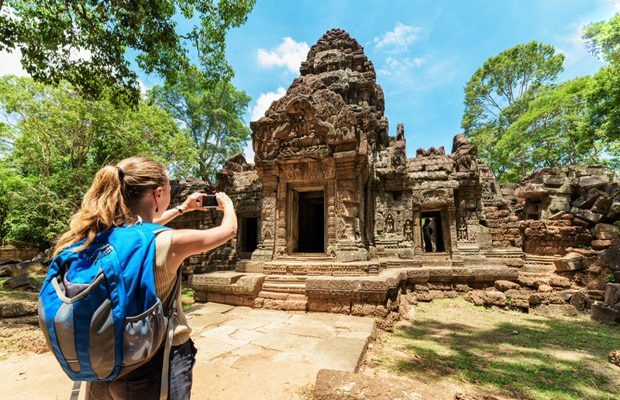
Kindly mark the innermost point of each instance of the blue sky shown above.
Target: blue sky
(424, 51)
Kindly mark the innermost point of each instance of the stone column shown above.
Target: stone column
(455, 253)
(348, 191)
(266, 242)
(417, 231)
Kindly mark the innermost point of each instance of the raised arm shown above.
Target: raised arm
(190, 204)
(187, 242)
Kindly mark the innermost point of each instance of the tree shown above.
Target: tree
(499, 92)
(602, 39)
(57, 143)
(211, 119)
(556, 130)
(90, 43)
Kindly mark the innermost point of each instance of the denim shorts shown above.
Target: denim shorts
(144, 383)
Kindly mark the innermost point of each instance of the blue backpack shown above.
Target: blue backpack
(98, 308)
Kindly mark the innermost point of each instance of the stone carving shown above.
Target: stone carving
(400, 132)
(389, 223)
(323, 169)
(430, 152)
(465, 155)
(408, 230)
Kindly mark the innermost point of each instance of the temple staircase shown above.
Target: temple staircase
(283, 292)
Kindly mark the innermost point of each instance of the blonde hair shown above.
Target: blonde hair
(106, 202)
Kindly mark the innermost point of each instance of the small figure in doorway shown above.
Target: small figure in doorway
(428, 235)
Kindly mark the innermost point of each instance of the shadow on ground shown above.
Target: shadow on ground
(529, 358)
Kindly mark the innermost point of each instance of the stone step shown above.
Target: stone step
(537, 268)
(284, 288)
(268, 294)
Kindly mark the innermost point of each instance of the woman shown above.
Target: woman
(137, 190)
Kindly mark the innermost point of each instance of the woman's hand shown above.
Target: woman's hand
(192, 202)
(224, 203)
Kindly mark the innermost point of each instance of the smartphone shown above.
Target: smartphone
(208, 200)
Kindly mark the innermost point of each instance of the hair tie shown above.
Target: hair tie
(121, 174)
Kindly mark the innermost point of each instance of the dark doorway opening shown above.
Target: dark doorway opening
(250, 234)
(311, 222)
(437, 242)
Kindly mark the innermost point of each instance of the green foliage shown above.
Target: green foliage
(58, 142)
(210, 119)
(499, 93)
(90, 44)
(556, 130)
(602, 39)
(610, 278)
(604, 102)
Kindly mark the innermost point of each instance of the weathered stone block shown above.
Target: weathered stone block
(587, 215)
(601, 244)
(416, 275)
(553, 310)
(614, 211)
(570, 262)
(602, 313)
(559, 281)
(606, 232)
(545, 289)
(23, 282)
(612, 295)
(25, 268)
(503, 286)
(602, 205)
(580, 301)
(9, 309)
(614, 357)
(611, 256)
(494, 298)
(440, 275)
(475, 297)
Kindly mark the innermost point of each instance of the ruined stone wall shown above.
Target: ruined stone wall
(548, 237)
(503, 226)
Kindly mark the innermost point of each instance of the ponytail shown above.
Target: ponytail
(106, 203)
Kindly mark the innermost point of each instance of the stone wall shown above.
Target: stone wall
(549, 237)
(504, 227)
(18, 253)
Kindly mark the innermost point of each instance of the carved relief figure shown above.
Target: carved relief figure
(461, 233)
(389, 224)
(408, 230)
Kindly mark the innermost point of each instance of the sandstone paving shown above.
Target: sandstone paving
(243, 353)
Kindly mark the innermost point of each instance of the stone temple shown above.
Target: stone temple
(332, 212)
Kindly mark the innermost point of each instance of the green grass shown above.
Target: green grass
(511, 354)
(187, 298)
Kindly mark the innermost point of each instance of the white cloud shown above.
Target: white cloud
(398, 40)
(143, 88)
(11, 63)
(289, 54)
(400, 67)
(264, 101)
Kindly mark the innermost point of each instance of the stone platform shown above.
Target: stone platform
(355, 295)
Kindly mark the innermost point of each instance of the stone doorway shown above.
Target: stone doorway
(307, 221)
(436, 223)
(248, 236)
